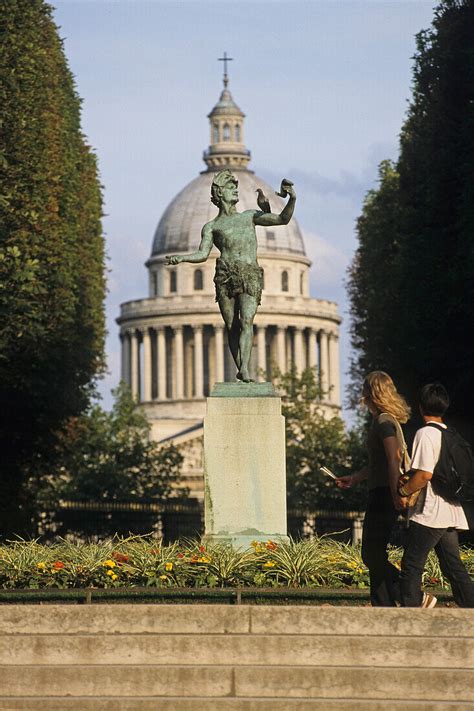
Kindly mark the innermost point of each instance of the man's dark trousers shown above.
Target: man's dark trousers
(445, 542)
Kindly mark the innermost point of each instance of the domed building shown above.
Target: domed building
(174, 343)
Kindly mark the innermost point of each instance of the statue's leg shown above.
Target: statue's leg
(248, 308)
(229, 310)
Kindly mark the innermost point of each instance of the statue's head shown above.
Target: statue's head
(224, 188)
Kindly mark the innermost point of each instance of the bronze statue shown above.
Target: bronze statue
(238, 277)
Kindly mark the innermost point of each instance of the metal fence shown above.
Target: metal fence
(173, 520)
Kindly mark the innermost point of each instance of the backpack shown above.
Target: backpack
(453, 476)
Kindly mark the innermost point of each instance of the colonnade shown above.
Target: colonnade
(175, 362)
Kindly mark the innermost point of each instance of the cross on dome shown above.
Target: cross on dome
(225, 59)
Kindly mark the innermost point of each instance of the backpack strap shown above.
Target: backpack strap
(437, 426)
(405, 462)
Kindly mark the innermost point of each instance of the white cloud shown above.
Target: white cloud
(329, 262)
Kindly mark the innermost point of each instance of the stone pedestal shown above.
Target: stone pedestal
(244, 470)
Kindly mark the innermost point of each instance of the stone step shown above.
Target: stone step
(239, 619)
(237, 650)
(275, 682)
(160, 703)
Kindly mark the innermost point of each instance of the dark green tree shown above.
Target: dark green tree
(52, 282)
(375, 281)
(436, 168)
(313, 439)
(108, 456)
(417, 324)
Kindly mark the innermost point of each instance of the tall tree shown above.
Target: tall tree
(418, 326)
(52, 283)
(436, 169)
(375, 280)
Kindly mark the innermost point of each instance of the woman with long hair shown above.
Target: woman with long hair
(388, 409)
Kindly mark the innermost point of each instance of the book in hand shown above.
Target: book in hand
(327, 472)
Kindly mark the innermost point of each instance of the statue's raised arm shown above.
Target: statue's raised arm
(270, 219)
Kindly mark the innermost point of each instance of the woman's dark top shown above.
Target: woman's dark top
(378, 464)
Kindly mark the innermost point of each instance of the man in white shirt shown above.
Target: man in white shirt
(434, 522)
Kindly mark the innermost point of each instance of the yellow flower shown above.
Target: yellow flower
(109, 564)
(269, 564)
(463, 557)
(360, 570)
(169, 566)
(41, 566)
(204, 559)
(110, 572)
(113, 576)
(163, 577)
(353, 565)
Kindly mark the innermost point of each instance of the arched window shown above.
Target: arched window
(237, 133)
(198, 280)
(173, 281)
(284, 281)
(301, 282)
(155, 283)
(215, 133)
(226, 132)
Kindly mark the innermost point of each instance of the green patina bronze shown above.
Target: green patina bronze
(238, 279)
(244, 390)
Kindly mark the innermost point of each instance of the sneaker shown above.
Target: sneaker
(429, 600)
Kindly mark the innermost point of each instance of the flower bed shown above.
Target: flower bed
(142, 562)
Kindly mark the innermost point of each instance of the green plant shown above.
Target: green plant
(142, 561)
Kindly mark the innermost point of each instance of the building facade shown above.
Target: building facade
(174, 343)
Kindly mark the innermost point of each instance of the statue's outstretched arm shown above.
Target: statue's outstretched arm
(269, 219)
(195, 257)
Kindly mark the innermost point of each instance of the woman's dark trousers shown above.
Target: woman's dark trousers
(379, 521)
(445, 542)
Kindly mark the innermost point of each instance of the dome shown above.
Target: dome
(179, 229)
(226, 106)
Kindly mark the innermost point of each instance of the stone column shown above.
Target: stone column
(198, 363)
(281, 348)
(324, 363)
(244, 472)
(146, 365)
(335, 394)
(134, 364)
(312, 348)
(261, 352)
(161, 365)
(299, 352)
(179, 362)
(125, 357)
(219, 348)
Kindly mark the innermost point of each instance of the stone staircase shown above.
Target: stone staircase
(235, 658)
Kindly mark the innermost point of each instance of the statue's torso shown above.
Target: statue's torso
(235, 238)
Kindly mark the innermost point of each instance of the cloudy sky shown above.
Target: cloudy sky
(324, 85)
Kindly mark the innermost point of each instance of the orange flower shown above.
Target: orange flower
(202, 549)
(120, 557)
(270, 545)
(58, 564)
